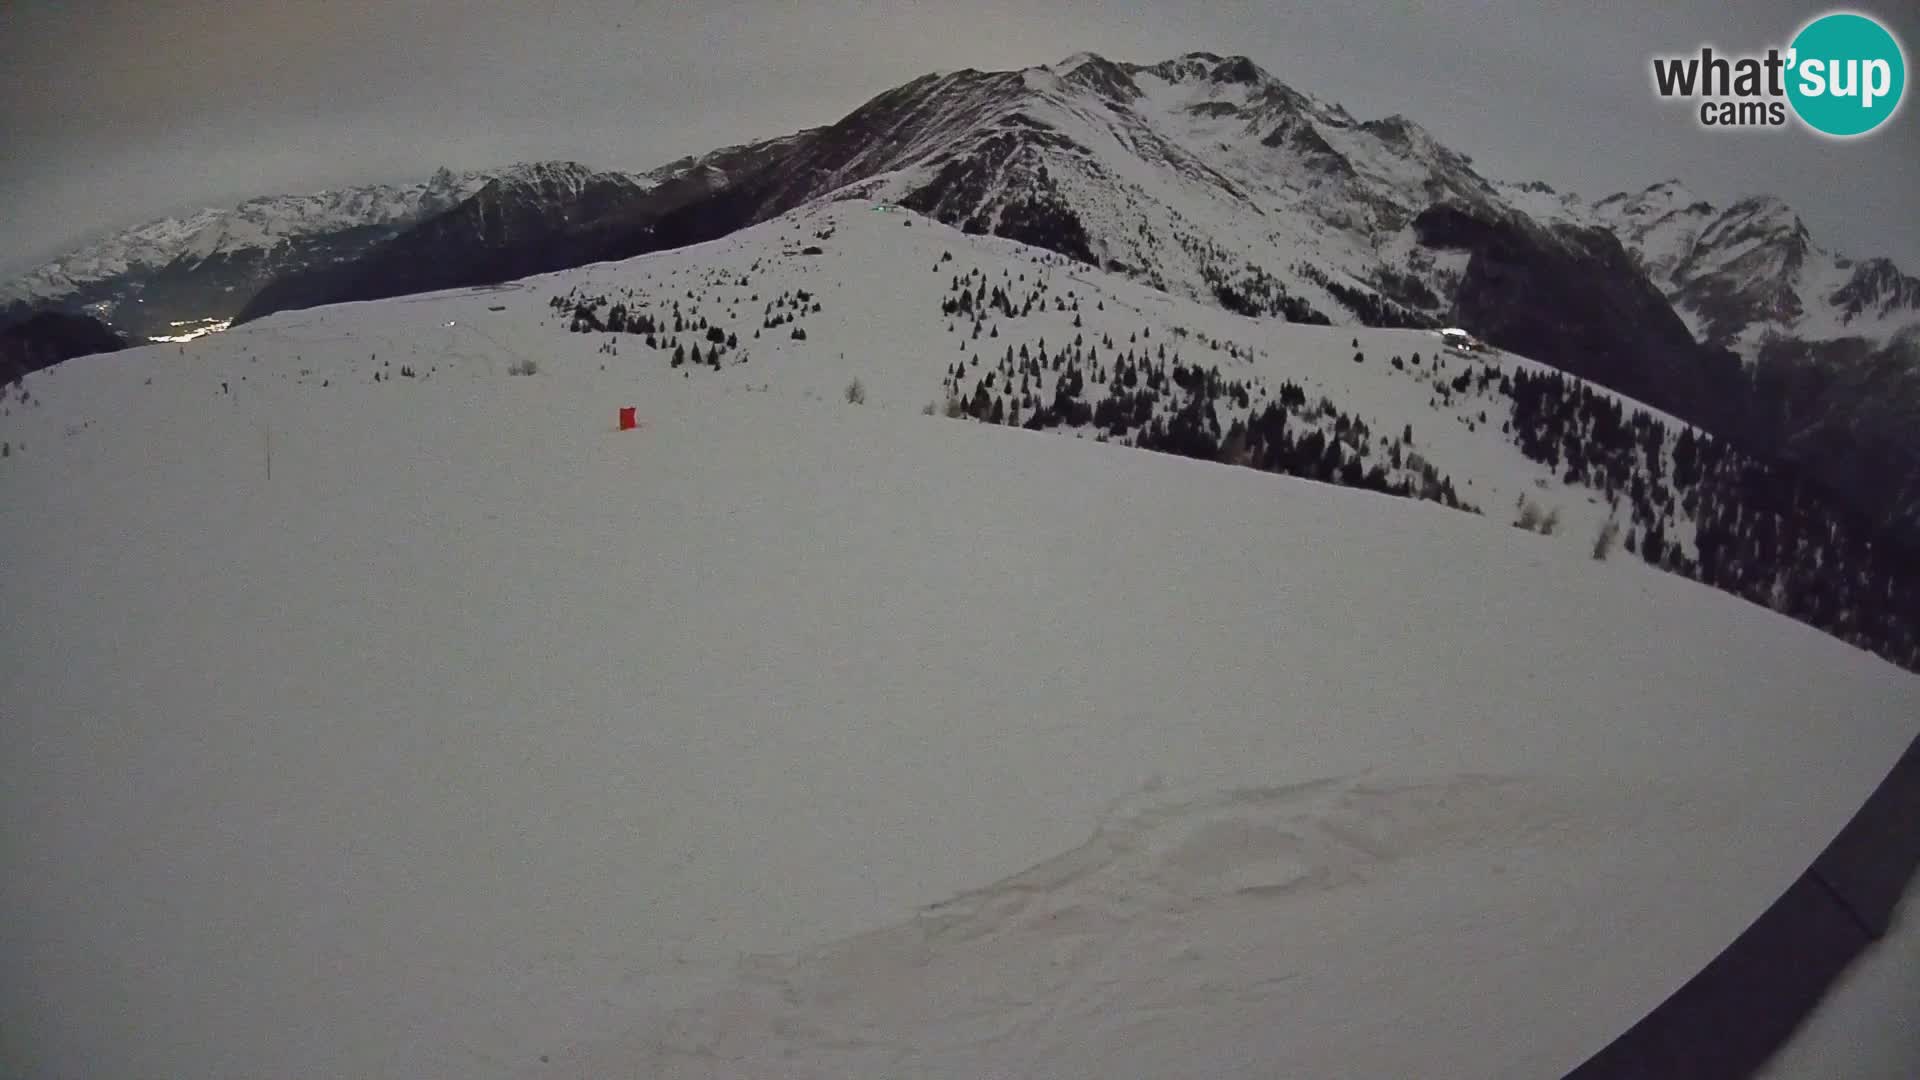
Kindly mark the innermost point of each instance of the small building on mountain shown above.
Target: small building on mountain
(1460, 341)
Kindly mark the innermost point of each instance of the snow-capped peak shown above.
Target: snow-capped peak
(1671, 192)
(1768, 212)
(1072, 63)
(1400, 131)
(545, 172)
(1650, 204)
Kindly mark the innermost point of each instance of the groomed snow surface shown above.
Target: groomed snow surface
(790, 738)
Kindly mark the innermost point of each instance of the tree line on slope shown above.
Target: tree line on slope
(662, 330)
(1140, 393)
(1761, 530)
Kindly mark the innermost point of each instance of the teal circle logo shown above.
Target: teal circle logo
(1847, 74)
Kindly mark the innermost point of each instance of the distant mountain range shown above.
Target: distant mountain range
(1744, 274)
(1202, 176)
(178, 275)
(529, 220)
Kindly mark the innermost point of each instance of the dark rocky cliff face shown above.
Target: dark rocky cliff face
(1849, 414)
(1575, 299)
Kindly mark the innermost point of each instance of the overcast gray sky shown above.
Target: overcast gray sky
(116, 111)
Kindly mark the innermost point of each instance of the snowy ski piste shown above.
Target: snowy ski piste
(786, 737)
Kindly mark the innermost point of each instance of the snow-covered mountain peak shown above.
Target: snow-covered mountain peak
(1236, 80)
(554, 177)
(1651, 206)
(1239, 69)
(1042, 79)
(1765, 216)
(1208, 67)
(1544, 203)
(1068, 65)
(1661, 223)
(1738, 273)
(1878, 288)
(1193, 171)
(1397, 130)
(1400, 134)
(1099, 75)
(1666, 195)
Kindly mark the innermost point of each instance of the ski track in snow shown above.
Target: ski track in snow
(1177, 920)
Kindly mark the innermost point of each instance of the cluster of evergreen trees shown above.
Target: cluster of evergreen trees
(786, 308)
(1371, 308)
(973, 300)
(1342, 454)
(1263, 295)
(1407, 288)
(1260, 294)
(1251, 291)
(1143, 394)
(970, 295)
(663, 331)
(1761, 530)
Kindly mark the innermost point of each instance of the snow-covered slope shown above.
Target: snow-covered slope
(843, 289)
(371, 710)
(1002, 328)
